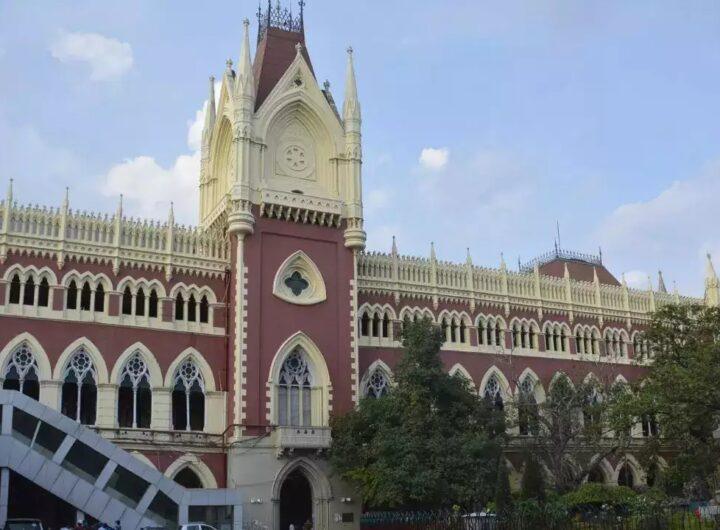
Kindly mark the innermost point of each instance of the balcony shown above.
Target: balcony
(289, 439)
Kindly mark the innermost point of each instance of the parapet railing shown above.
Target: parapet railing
(437, 280)
(64, 233)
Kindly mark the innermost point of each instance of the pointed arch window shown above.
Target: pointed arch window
(85, 297)
(99, 298)
(72, 295)
(140, 303)
(386, 326)
(376, 325)
(179, 307)
(625, 477)
(188, 398)
(527, 413)
(79, 390)
(204, 310)
(43, 293)
(365, 324)
(134, 394)
(29, 293)
(127, 301)
(192, 309)
(21, 372)
(295, 390)
(378, 384)
(493, 393)
(15, 287)
(153, 304)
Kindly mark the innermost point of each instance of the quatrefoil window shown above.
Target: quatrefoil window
(296, 283)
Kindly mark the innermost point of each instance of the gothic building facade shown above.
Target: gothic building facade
(217, 354)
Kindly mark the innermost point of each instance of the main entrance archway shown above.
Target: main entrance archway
(296, 501)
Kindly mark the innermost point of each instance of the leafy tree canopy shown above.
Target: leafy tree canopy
(431, 442)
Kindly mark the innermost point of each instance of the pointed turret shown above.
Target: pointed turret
(432, 251)
(661, 283)
(351, 105)
(210, 114)
(245, 79)
(119, 211)
(624, 281)
(566, 272)
(468, 258)
(394, 247)
(9, 195)
(171, 214)
(712, 285)
(66, 199)
(503, 266)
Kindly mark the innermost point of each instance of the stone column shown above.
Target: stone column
(106, 405)
(50, 393)
(161, 405)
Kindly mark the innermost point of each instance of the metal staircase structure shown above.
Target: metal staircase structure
(92, 474)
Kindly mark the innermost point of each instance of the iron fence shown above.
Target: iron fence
(664, 519)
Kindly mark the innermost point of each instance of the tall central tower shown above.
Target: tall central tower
(281, 176)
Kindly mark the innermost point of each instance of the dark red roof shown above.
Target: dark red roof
(274, 54)
(578, 270)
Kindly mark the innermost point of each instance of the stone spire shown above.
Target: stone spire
(432, 251)
(210, 114)
(661, 283)
(712, 285)
(468, 258)
(394, 247)
(9, 196)
(245, 80)
(351, 106)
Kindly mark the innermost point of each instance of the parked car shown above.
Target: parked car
(196, 526)
(708, 512)
(23, 524)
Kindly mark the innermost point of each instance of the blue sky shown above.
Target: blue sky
(604, 115)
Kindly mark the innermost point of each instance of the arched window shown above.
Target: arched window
(625, 477)
(99, 299)
(192, 309)
(295, 390)
(579, 344)
(386, 326)
(365, 325)
(21, 372)
(596, 476)
(591, 411)
(482, 337)
(127, 301)
(377, 384)
(179, 307)
(140, 302)
(72, 295)
(650, 426)
(85, 297)
(79, 390)
(188, 398)
(187, 478)
(493, 394)
(15, 290)
(376, 325)
(153, 304)
(29, 293)
(527, 413)
(134, 394)
(516, 335)
(43, 293)
(204, 310)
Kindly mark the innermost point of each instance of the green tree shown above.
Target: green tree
(503, 495)
(431, 442)
(575, 427)
(681, 395)
(532, 486)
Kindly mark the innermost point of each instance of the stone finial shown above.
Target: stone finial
(298, 48)
(394, 246)
(432, 251)
(710, 273)
(661, 283)
(351, 105)
(468, 258)
(503, 266)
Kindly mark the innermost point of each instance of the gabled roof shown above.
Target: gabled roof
(581, 271)
(275, 53)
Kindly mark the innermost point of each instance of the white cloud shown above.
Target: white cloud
(376, 199)
(148, 188)
(434, 159)
(107, 57)
(637, 279)
(671, 231)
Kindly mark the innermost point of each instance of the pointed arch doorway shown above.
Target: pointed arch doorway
(296, 501)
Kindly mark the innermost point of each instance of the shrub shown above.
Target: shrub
(594, 497)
